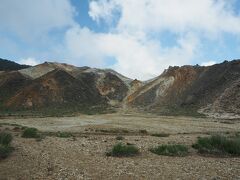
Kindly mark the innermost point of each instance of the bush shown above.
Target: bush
(218, 144)
(64, 134)
(30, 133)
(5, 151)
(170, 150)
(160, 135)
(120, 150)
(5, 138)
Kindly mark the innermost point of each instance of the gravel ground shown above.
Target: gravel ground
(83, 157)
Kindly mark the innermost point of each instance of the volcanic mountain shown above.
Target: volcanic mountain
(187, 90)
(192, 89)
(54, 85)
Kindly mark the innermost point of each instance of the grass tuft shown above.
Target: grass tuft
(170, 150)
(30, 133)
(5, 141)
(218, 144)
(64, 134)
(5, 138)
(121, 150)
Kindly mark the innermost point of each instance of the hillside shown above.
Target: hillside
(192, 89)
(6, 65)
(60, 87)
(187, 90)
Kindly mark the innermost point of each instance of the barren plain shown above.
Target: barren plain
(83, 155)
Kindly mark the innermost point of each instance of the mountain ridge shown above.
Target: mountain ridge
(186, 90)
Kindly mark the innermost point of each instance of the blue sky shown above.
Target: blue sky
(138, 38)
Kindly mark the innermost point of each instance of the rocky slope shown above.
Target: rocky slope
(55, 85)
(188, 89)
(55, 88)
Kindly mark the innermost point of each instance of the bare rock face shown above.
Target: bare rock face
(112, 87)
(187, 89)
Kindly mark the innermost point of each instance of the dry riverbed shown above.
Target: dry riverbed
(83, 157)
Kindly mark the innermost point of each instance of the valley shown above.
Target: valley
(83, 154)
(59, 121)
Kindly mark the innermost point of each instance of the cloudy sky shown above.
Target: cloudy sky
(138, 38)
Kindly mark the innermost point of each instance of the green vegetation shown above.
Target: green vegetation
(5, 141)
(160, 135)
(218, 144)
(30, 133)
(121, 150)
(170, 150)
(64, 134)
(5, 138)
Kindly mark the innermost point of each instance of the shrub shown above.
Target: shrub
(64, 134)
(5, 138)
(170, 150)
(119, 138)
(218, 144)
(120, 150)
(160, 135)
(5, 151)
(30, 133)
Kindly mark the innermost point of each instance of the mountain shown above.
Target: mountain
(6, 65)
(187, 90)
(10, 83)
(191, 90)
(109, 83)
(54, 85)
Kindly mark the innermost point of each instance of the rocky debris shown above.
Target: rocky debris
(57, 158)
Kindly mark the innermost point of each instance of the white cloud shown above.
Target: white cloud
(173, 15)
(103, 9)
(29, 61)
(133, 44)
(31, 19)
(208, 63)
(134, 40)
(142, 59)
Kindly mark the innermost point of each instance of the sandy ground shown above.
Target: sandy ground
(132, 122)
(83, 157)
